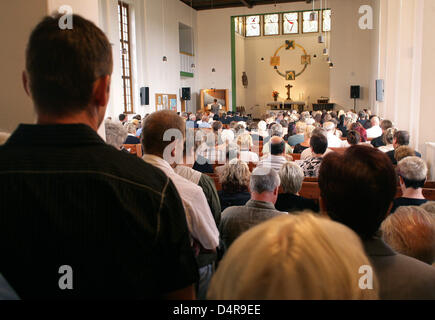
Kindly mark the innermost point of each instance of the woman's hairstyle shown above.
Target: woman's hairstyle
(411, 231)
(308, 131)
(292, 177)
(429, 207)
(353, 137)
(235, 176)
(131, 128)
(388, 136)
(402, 152)
(217, 125)
(285, 265)
(116, 134)
(244, 141)
(301, 127)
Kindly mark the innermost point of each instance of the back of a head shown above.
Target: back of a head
(374, 120)
(301, 127)
(276, 130)
(386, 124)
(402, 138)
(403, 152)
(116, 134)
(388, 136)
(411, 231)
(217, 125)
(62, 65)
(235, 176)
(285, 266)
(131, 128)
(357, 188)
(264, 179)
(244, 141)
(329, 126)
(353, 137)
(154, 128)
(413, 171)
(292, 177)
(319, 143)
(122, 117)
(277, 146)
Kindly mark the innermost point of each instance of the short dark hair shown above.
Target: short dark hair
(386, 124)
(154, 128)
(319, 143)
(277, 148)
(353, 137)
(64, 64)
(122, 117)
(358, 188)
(402, 138)
(217, 125)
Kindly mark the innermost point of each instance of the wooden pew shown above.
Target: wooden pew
(134, 149)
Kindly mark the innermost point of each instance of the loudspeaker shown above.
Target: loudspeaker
(145, 96)
(380, 90)
(355, 92)
(185, 94)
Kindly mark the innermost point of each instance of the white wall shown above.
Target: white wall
(17, 19)
(351, 50)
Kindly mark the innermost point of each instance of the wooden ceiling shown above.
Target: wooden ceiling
(219, 4)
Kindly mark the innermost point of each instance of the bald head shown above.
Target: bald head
(277, 146)
(154, 128)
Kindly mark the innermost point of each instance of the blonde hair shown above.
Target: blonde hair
(308, 130)
(131, 128)
(235, 176)
(300, 127)
(411, 231)
(245, 141)
(293, 257)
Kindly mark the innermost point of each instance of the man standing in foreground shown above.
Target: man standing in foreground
(79, 219)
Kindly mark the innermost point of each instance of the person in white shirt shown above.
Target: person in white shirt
(245, 143)
(375, 131)
(200, 220)
(308, 153)
(333, 140)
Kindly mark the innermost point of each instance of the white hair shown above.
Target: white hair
(329, 126)
(227, 135)
(262, 125)
(293, 257)
(264, 179)
(116, 134)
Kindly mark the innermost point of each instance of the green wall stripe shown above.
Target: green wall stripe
(233, 64)
(186, 74)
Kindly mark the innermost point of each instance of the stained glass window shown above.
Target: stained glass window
(326, 20)
(253, 26)
(271, 24)
(310, 21)
(290, 23)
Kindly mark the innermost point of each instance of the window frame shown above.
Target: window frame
(124, 77)
(299, 22)
(246, 25)
(318, 22)
(278, 23)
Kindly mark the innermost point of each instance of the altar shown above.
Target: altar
(287, 105)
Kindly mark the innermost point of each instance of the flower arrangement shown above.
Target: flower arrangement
(275, 94)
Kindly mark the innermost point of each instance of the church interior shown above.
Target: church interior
(256, 62)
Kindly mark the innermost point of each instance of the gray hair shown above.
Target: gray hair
(411, 231)
(329, 126)
(4, 136)
(412, 168)
(264, 179)
(276, 130)
(292, 177)
(116, 134)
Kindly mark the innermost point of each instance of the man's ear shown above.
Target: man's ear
(26, 84)
(101, 92)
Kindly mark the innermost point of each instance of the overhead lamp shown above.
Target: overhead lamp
(331, 65)
(328, 60)
(321, 39)
(165, 59)
(313, 16)
(213, 70)
(325, 51)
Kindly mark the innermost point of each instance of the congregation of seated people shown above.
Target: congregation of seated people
(289, 206)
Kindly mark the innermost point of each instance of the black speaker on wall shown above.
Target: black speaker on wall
(185, 94)
(145, 96)
(355, 92)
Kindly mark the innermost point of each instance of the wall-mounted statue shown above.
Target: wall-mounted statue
(245, 79)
